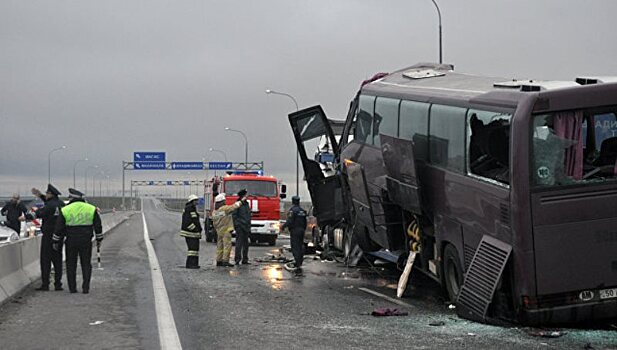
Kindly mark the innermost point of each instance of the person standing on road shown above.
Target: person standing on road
(77, 222)
(223, 224)
(14, 210)
(191, 231)
(296, 224)
(242, 225)
(49, 213)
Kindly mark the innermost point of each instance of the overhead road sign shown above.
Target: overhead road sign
(220, 165)
(187, 165)
(166, 183)
(148, 156)
(149, 166)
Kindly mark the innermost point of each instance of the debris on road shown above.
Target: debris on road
(348, 287)
(588, 346)
(402, 282)
(437, 323)
(96, 323)
(386, 311)
(546, 333)
(276, 258)
(471, 334)
(451, 306)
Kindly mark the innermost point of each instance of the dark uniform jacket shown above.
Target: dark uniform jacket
(13, 211)
(191, 226)
(77, 234)
(296, 219)
(242, 218)
(49, 213)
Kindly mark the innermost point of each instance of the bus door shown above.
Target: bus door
(401, 178)
(315, 138)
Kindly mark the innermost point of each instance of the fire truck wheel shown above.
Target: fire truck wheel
(452, 272)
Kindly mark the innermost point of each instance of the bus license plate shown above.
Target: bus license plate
(608, 293)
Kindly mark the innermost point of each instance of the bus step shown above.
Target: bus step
(482, 278)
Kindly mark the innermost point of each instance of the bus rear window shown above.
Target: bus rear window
(575, 147)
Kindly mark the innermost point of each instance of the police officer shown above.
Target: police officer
(242, 225)
(13, 211)
(76, 223)
(191, 231)
(49, 213)
(296, 223)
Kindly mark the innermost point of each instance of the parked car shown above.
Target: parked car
(7, 235)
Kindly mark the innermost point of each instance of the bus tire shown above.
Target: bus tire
(452, 272)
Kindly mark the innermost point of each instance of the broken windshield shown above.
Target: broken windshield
(566, 150)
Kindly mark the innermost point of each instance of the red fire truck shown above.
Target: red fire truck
(264, 196)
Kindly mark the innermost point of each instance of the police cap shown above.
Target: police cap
(51, 189)
(73, 193)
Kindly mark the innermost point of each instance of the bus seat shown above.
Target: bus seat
(608, 151)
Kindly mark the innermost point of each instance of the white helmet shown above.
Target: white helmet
(192, 198)
(220, 197)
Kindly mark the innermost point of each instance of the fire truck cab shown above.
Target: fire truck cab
(264, 197)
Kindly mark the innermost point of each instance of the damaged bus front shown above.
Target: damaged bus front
(505, 189)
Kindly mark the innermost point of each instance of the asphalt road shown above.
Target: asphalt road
(260, 306)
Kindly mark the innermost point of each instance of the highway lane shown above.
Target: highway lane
(258, 306)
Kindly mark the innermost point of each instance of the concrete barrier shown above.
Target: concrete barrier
(19, 261)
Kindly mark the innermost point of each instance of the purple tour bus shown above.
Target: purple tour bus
(506, 190)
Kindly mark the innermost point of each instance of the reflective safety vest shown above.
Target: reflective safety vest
(79, 214)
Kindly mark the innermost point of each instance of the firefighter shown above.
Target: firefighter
(191, 231)
(222, 221)
(14, 210)
(49, 213)
(296, 224)
(75, 225)
(242, 225)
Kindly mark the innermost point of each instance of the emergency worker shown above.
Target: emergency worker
(49, 213)
(296, 224)
(223, 224)
(75, 226)
(191, 231)
(242, 225)
(13, 211)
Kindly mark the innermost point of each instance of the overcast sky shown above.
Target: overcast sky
(106, 78)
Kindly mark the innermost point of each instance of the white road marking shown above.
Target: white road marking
(383, 296)
(168, 334)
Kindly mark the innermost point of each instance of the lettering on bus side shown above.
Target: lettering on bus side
(605, 236)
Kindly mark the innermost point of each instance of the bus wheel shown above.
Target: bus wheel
(452, 272)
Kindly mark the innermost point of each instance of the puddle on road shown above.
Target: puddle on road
(274, 275)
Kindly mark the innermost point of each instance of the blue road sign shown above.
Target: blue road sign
(219, 165)
(187, 165)
(169, 183)
(148, 156)
(187, 183)
(149, 165)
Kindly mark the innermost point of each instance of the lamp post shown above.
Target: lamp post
(272, 92)
(49, 162)
(440, 47)
(86, 177)
(246, 146)
(219, 151)
(75, 168)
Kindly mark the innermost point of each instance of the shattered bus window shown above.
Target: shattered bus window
(489, 144)
(567, 151)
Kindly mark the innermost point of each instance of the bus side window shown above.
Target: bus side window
(447, 137)
(489, 144)
(362, 129)
(386, 118)
(413, 126)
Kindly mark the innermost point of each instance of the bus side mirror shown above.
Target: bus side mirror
(283, 195)
(283, 189)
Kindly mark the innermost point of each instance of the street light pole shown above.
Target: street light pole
(219, 151)
(440, 47)
(86, 177)
(49, 162)
(75, 168)
(272, 92)
(246, 146)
